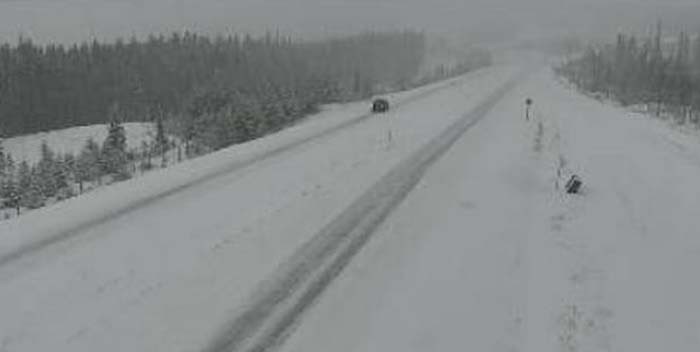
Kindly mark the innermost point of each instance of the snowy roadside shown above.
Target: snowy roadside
(487, 254)
(665, 125)
(167, 276)
(627, 248)
(71, 215)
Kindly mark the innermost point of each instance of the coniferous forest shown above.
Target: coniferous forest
(52, 87)
(659, 72)
(208, 93)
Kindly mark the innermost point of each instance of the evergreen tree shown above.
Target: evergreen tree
(88, 167)
(146, 156)
(3, 160)
(9, 166)
(9, 192)
(29, 187)
(46, 172)
(10, 195)
(273, 114)
(249, 119)
(65, 176)
(24, 175)
(161, 144)
(32, 196)
(114, 158)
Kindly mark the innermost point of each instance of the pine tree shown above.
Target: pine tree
(12, 197)
(24, 174)
(4, 176)
(3, 161)
(114, 155)
(658, 70)
(88, 167)
(9, 166)
(7, 189)
(9, 192)
(29, 187)
(682, 87)
(65, 176)
(225, 129)
(290, 106)
(146, 156)
(32, 197)
(46, 172)
(695, 97)
(250, 119)
(161, 144)
(275, 113)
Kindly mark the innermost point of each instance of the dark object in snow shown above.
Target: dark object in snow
(528, 104)
(573, 186)
(380, 105)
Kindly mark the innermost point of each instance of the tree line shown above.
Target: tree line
(660, 73)
(55, 86)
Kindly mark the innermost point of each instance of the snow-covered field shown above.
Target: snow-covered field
(71, 140)
(484, 254)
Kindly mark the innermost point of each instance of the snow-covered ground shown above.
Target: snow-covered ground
(71, 140)
(484, 253)
(628, 249)
(168, 275)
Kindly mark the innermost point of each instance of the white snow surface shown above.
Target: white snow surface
(71, 140)
(168, 275)
(485, 254)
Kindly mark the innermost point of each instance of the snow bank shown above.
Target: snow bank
(70, 140)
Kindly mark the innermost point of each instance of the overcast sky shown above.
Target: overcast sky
(75, 20)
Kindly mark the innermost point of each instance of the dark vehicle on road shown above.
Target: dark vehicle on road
(380, 106)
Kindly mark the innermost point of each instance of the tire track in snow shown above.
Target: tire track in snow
(276, 308)
(31, 248)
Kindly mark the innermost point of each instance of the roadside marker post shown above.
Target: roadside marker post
(528, 105)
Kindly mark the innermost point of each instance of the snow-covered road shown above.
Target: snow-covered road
(487, 255)
(169, 275)
(274, 311)
(483, 253)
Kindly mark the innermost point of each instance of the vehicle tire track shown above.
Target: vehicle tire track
(276, 308)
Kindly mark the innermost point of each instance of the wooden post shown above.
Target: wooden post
(389, 138)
